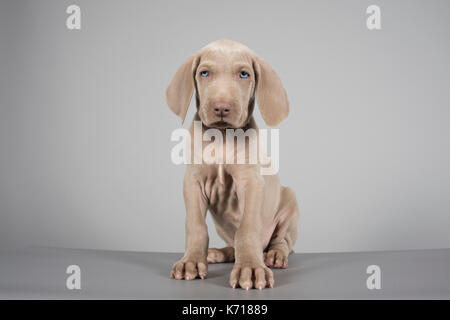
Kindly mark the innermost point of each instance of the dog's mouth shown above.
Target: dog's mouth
(221, 125)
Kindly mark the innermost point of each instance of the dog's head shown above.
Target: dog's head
(227, 78)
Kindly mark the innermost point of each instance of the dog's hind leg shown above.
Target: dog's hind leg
(220, 255)
(285, 234)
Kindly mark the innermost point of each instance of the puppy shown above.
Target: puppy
(253, 213)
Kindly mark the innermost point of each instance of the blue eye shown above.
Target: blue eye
(204, 73)
(244, 75)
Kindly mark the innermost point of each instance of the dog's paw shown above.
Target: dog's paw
(275, 258)
(215, 256)
(189, 269)
(220, 255)
(249, 276)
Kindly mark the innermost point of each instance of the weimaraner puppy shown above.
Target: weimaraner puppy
(253, 213)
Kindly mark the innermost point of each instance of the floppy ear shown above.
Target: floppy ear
(181, 88)
(270, 94)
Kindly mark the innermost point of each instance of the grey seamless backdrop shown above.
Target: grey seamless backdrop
(85, 132)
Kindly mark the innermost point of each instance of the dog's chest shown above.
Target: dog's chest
(221, 191)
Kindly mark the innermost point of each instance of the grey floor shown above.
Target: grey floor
(40, 273)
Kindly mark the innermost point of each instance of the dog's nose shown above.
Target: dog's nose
(222, 109)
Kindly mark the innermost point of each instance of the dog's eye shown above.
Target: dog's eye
(204, 73)
(244, 75)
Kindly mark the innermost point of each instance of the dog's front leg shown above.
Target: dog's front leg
(249, 270)
(194, 261)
